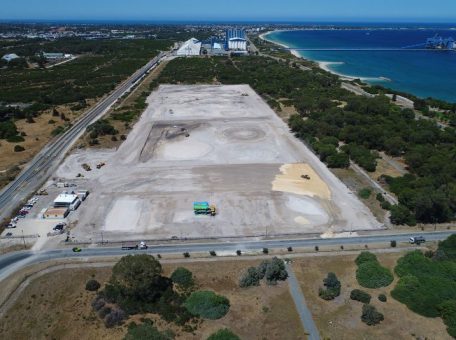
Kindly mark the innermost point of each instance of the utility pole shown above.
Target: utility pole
(23, 238)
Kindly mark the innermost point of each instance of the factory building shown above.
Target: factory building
(70, 201)
(191, 47)
(56, 56)
(236, 39)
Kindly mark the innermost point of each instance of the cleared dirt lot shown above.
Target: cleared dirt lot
(57, 300)
(220, 144)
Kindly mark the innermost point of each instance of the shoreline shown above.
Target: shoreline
(324, 65)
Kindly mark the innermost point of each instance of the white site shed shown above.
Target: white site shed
(191, 47)
(70, 201)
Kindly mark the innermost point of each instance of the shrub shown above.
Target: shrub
(250, 278)
(359, 295)
(238, 252)
(98, 303)
(213, 253)
(207, 305)
(382, 298)
(265, 251)
(186, 254)
(104, 311)
(373, 275)
(317, 248)
(365, 193)
(290, 249)
(332, 289)
(183, 277)
(223, 334)
(18, 148)
(275, 271)
(393, 244)
(115, 318)
(448, 313)
(371, 316)
(146, 331)
(364, 257)
(51, 121)
(92, 285)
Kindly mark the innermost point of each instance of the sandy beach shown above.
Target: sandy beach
(324, 65)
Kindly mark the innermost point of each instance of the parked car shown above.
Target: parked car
(11, 226)
(9, 234)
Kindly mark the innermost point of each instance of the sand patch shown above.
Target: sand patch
(301, 220)
(291, 180)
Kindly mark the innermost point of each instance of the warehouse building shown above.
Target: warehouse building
(236, 39)
(70, 201)
(191, 47)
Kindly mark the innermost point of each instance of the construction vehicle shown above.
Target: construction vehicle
(86, 167)
(203, 208)
(42, 192)
(133, 245)
(305, 177)
(100, 165)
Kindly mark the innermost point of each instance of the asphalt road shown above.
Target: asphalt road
(301, 306)
(45, 162)
(12, 262)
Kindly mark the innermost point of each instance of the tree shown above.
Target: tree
(332, 289)
(136, 281)
(400, 215)
(250, 278)
(339, 160)
(371, 316)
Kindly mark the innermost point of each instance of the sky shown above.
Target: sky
(234, 10)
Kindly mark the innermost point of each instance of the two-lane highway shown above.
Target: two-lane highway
(42, 165)
(12, 262)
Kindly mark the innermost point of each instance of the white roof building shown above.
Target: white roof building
(189, 48)
(70, 201)
(9, 57)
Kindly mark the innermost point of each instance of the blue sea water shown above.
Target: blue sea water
(423, 73)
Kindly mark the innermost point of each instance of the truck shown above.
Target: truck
(133, 245)
(203, 208)
(417, 240)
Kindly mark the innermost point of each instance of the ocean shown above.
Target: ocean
(427, 73)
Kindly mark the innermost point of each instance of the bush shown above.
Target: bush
(393, 244)
(364, 257)
(371, 316)
(92, 285)
(146, 331)
(98, 303)
(213, 253)
(250, 278)
(317, 248)
(370, 274)
(290, 249)
(186, 254)
(115, 318)
(265, 251)
(373, 275)
(382, 298)
(183, 277)
(365, 193)
(207, 305)
(359, 295)
(224, 334)
(104, 311)
(448, 313)
(18, 148)
(238, 252)
(332, 289)
(275, 271)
